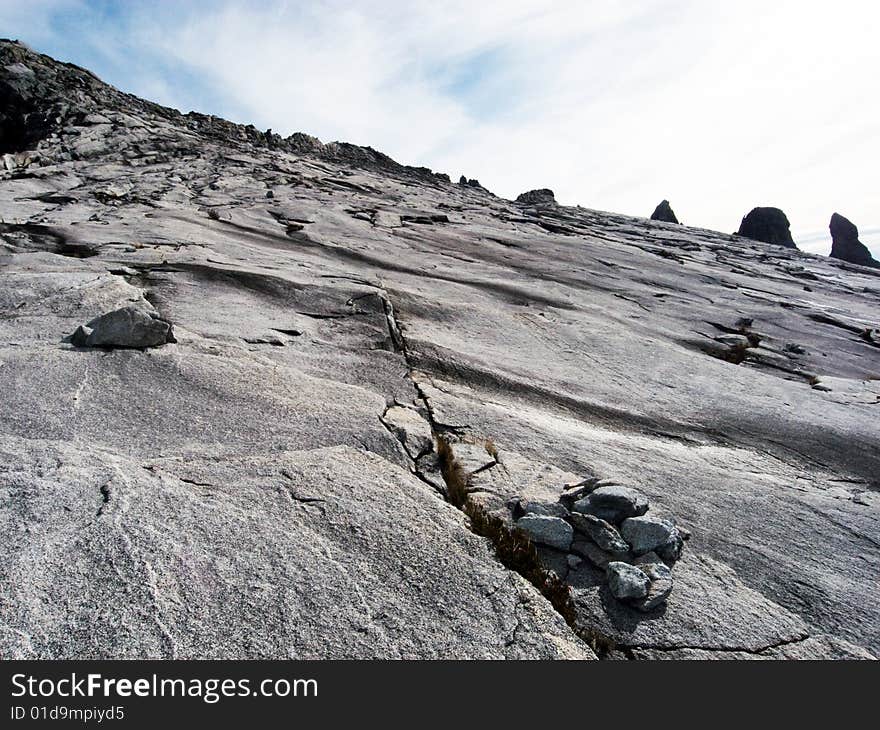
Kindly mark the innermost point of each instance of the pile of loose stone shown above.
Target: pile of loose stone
(608, 525)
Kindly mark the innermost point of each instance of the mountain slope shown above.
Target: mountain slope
(268, 484)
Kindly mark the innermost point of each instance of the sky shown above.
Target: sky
(614, 104)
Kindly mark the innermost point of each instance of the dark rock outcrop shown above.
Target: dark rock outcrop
(845, 243)
(542, 196)
(664, 213)
(769, 225)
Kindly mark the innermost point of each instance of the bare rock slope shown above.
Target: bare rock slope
(270, 397)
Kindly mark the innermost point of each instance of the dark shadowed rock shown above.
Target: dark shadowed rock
(671, 549)
(845, 243)
(537, 197)
(664, 213)
(586, 548)
(769, 225)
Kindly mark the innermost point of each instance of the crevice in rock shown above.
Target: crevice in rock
(195, 483)
(513, 548)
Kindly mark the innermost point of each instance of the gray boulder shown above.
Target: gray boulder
(613, 504)
(600, 532)
(547, 530)
(553, 509)
(646, 533)
(627, 582)
(128, 327)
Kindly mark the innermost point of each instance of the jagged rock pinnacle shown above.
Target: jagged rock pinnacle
(769, 225)
(845, 243)
(664, 213)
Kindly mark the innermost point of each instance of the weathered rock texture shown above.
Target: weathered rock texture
(845, 243)
(769, 225)
(266, 485)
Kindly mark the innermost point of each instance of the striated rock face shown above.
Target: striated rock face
(845, 243)
(664, 213)
(371, 352)
(769, 225)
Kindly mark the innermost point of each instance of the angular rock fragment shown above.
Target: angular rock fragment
(659, 587)
(769, 225)
(128, 327)
(413, 431)
(600, 532)
(845, 243)
(627, 582)
(664, 213)
(597, 556)
(735, 341)
(646, 533)
(541, 508)
(613, 504)
(546, 530)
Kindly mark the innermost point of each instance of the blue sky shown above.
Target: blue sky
(614, 104)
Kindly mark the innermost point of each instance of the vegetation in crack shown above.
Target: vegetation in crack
(514, 548)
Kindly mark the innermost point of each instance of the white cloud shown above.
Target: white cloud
(717, 106)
